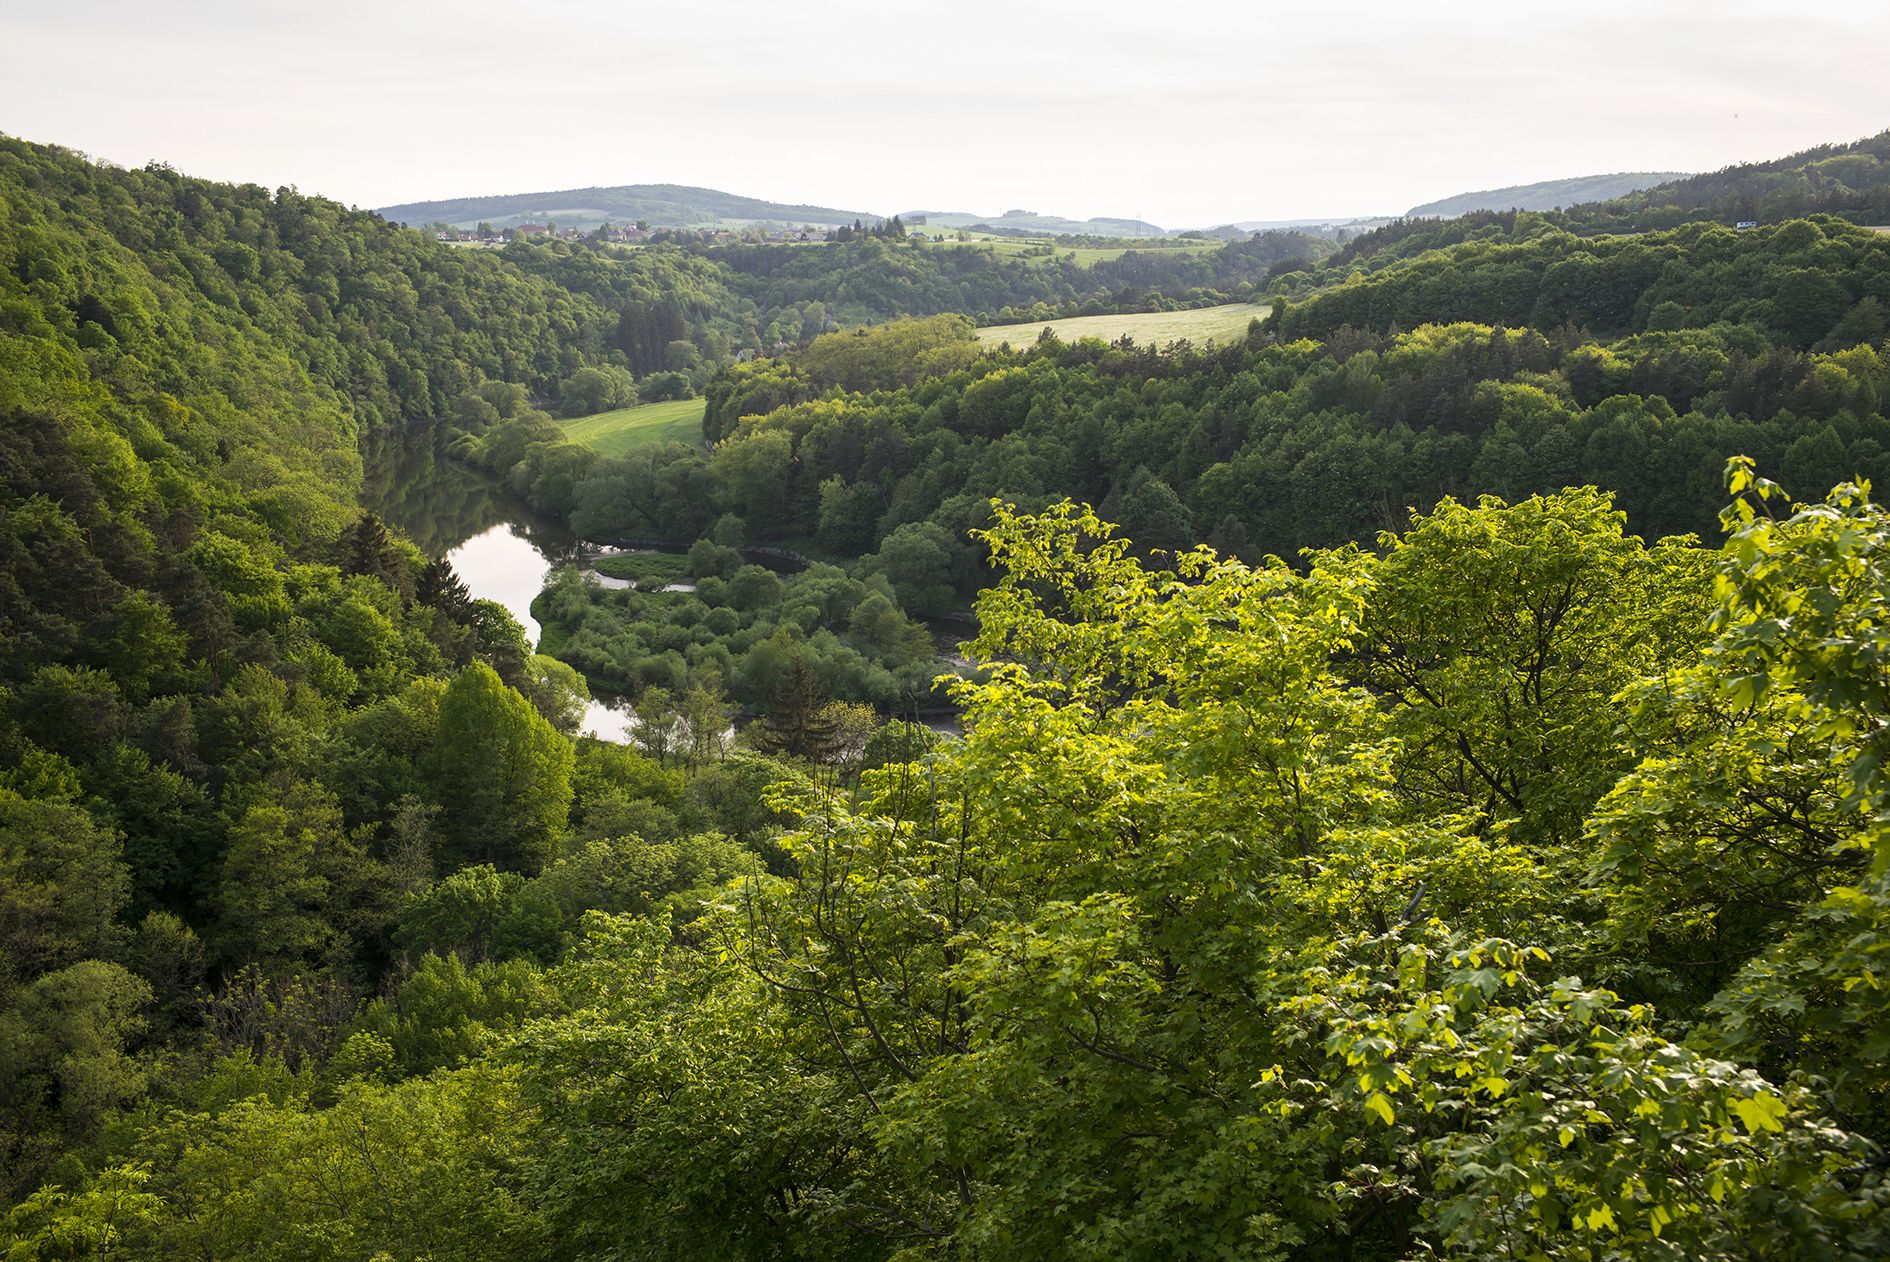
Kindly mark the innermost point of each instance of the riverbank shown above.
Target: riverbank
(505, 551)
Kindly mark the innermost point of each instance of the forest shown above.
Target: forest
(1417, 790)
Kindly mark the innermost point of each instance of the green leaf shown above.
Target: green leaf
(1761, 1112)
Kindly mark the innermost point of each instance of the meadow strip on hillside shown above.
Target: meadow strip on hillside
(1226, 323)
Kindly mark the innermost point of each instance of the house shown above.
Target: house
(1743, 224)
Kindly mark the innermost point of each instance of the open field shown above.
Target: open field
(614, 433)
(1086, 256)
(1158, 328)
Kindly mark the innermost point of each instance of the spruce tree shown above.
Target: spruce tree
(440, 588)
(794, 723)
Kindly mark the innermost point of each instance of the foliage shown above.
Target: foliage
(749, 630)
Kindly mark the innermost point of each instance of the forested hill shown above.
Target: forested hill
(199, 629)
(1804, 283)
(1849, 181)
(660, 205)
(1546, 195)
(143, 265)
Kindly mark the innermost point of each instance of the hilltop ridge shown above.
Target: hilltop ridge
(661, 205)
(1546, 194)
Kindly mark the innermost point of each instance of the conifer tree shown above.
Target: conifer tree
(366, 549)
(439, 587)
(795, 723)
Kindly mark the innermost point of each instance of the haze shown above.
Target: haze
(1186, 116)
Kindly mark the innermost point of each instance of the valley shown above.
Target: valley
(1364, 744)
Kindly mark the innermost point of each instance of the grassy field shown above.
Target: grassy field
(1086, 256)
(614, 433)
(652, 568)
(1157, 328)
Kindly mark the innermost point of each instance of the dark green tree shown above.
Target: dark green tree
(795, 724)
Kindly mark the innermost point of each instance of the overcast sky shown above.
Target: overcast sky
(1184, 114)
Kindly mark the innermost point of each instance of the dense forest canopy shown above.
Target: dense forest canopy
(1502, 874)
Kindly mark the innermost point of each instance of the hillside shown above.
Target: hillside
(195, 616)
(1547, 195)
(1851, 181)
(1848, 181)
(1330, 229)
(1803, 284)
(661, 205)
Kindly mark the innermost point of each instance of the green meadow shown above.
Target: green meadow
(1030, 248)
(614, 433)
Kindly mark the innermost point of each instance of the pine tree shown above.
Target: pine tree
(794, 723)
(440, 588)
(366, 549)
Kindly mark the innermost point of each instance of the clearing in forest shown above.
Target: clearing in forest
(614, 433)
(1223, 324)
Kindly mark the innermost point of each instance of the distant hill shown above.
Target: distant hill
(1330, 229)
(1848, 181)
(1548, 195)
(662, 205)
(1030, 223)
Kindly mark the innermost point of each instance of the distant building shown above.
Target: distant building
(530, 230)
(1743, 224)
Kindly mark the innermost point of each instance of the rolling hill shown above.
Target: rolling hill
(1030, 223)
(661, 205)
(1547, 195)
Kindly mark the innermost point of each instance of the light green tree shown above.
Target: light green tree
(500, 773)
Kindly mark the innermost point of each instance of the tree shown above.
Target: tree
(796, 722)
(478, 914)
(591, 390)
(366, 549)
(62, 885)
(1154, 516)
(916, 559)
(706, 717)
(441, 588)
(853, 727)
(659, 729)
(1498, 636)
(1747, 847)
(558, 692)
(500, 773)
(65, 1064)
(287, 881)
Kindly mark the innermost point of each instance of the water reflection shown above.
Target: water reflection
(504, 551)
(501, 549)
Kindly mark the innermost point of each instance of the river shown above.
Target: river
(505, 551)
(501, 549)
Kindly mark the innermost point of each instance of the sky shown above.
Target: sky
(1184, 115)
